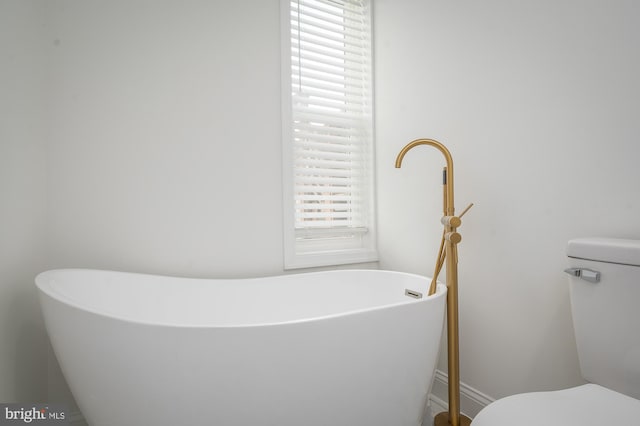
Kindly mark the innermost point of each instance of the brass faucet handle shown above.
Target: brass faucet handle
(466, 210)
(455, 221)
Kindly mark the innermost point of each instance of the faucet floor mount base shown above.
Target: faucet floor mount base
(442, 419)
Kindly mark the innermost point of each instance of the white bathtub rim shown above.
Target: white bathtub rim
(46, 289)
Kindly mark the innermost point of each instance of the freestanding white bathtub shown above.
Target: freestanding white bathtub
(340, 348)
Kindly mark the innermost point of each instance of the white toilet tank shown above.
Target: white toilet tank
(605, 303)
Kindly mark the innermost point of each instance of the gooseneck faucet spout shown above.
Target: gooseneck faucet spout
(449, 252)
(448, 171)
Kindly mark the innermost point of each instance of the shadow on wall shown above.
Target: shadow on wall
(29, 355)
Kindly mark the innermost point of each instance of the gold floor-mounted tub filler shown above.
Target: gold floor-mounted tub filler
(449, 252)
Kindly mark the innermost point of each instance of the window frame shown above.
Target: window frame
(308, 247)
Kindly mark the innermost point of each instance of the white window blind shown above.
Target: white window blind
(330, 130)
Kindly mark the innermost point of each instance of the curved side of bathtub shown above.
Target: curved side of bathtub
(369, 368)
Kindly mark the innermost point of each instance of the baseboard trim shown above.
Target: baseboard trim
(471, 400)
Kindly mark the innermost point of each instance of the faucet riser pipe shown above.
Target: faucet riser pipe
(450, 255)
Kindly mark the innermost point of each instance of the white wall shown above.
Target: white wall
(23, 346)
(166, 137)
(538, 103)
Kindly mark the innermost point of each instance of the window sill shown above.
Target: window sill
(332, 258)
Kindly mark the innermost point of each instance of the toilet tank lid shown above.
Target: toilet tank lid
(611, 250)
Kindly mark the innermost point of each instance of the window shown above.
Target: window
(327, 132)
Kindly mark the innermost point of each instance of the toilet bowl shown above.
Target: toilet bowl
(586, 405)
(605, 290)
